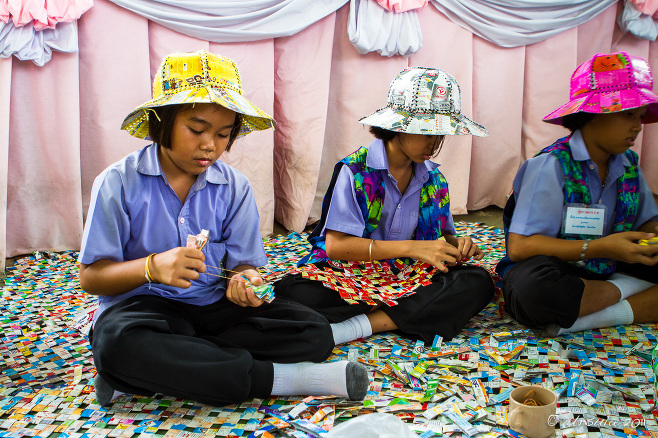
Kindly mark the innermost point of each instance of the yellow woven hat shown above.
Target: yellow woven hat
(198, 77)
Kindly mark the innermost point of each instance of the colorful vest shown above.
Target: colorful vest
(370, 192)
(576, 191)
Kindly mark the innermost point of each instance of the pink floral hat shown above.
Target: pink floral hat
(609, 83)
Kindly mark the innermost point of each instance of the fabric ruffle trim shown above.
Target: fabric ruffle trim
(42, 14)
(398, 6)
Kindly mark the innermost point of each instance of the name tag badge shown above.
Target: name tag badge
(584, 219)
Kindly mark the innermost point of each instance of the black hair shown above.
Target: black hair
(383, 134)
(442, 138)
(387, 135)
(161, 122)
(576, 121)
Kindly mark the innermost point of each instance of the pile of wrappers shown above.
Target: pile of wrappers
(603, 378)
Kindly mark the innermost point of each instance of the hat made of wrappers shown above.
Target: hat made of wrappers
(424, 101)
(198, 77)
(610, 83)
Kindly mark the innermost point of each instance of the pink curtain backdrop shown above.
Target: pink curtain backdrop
(59, 124)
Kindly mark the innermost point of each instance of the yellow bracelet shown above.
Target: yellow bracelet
(147, 273)
(370, 249)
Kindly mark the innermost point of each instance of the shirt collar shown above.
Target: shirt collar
(377, 159)
(377, 155)
(149, 164)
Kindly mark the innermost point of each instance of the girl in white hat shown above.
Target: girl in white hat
(164, 323)
(389, 201)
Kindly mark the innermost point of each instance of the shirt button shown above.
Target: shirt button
(399, 206)
(591, 166)
(182, 220)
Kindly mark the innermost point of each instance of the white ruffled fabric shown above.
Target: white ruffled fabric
(514, 23)
(234, 20)
(28, 44)
(372, 28)
(638, 22)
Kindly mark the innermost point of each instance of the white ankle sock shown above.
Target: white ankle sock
(354, 328)
(620, 313)
(627, 285)
(307, 378)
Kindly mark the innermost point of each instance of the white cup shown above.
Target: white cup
(532, 421)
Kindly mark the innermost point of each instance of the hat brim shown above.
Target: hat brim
(592, 103)
(398, 120)
(254, 119)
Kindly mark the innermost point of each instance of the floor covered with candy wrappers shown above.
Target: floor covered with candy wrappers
(603, 378)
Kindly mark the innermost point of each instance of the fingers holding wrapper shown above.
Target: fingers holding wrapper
(198, 241)
(649, 242)
(265, 291)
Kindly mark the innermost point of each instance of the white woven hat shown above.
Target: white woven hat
(424, 101)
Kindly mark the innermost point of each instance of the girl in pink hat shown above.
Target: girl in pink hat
(388, 201)
(166, 323)
(581, 210)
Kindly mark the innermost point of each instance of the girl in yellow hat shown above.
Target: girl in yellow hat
(157, 220)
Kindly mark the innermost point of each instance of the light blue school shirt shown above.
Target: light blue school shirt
(134, 212)
(399, 212)
(539, 191)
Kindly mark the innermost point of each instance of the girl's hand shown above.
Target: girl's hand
(468, 249)
(177, 267)
(436, 252)
(624, 248)
(239, 292)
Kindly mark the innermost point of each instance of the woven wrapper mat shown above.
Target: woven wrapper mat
(46, 380)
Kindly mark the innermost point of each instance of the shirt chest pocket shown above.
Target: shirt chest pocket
(410, 226)
(214, 253)
(403, 224)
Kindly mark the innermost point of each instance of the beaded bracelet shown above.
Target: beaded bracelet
(147, 271)
(584, 250)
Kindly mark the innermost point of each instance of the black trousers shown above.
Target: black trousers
(441, 308)
(544, 290)
(215, 354)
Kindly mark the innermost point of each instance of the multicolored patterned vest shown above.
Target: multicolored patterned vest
(433, 212)
(576, 191)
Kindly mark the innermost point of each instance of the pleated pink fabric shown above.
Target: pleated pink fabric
(62, 124)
